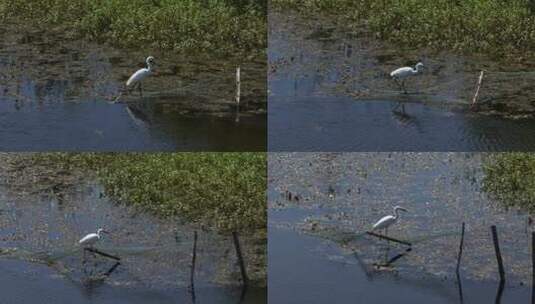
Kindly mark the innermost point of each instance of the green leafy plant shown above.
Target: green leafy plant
(501, 28)
(226, 191)
(216, 26)
(510, 178)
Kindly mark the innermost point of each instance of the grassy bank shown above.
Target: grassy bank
(225, 191)
(503, 28)
(510, 178)
(214, 26)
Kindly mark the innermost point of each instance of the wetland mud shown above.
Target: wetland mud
(327, 201)
(329, 90)
(57, 94)
(41, 223)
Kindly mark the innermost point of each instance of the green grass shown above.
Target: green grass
(214, 26)
(494, 27)
(226, 191)
(510, 178)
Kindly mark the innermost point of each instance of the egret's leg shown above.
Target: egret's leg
(118, 96)
(403, 86)
(398, 83)
(140, 90)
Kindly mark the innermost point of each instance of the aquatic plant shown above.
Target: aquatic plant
(510, 178)
(213, 26)
(225, 191)
(501, 28)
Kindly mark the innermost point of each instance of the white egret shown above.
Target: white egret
(139, 75)
(388, 220)
(90, 239)
(399, 75)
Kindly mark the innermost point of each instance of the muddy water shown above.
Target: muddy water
(39, 229)
(335, 198)
(56, 94)
(329, 90)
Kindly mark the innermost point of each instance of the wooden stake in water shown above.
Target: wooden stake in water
(474, 100)
(388, 238)
(238, 93)
(240, 258)
(104, 254)
(460, 251)
(498, 253)
(533, 267)
(193, 258)
(112, 269)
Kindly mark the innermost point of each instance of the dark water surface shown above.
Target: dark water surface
(319, 274)
(334, 124)
(28, 283)
(99, 126)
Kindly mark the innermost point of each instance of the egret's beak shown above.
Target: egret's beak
(105, 231)
(403, 209)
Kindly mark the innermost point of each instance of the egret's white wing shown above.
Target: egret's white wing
(88, 238)
(137, 76)
(401, 72)
(384, 222)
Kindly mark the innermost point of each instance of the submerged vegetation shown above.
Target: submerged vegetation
(510, 178)
(221, 190)
(213, 26)
(505, 28)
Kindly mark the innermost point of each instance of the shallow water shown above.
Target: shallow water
(330, 91)
(94, 125)
(342, 124)
(41, 224)
(46, 287)
(338, 196)
(321, 273)
(56, 94)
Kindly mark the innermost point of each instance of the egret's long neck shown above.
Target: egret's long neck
(396, 211)
(98, 234)
(149, 66)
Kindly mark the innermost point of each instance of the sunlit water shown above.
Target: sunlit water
(330, 91)
(339, 197)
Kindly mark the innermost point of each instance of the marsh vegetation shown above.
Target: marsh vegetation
(499, 28)
(510, 178)
(218, 190)
(220, 27)
(152, 203)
